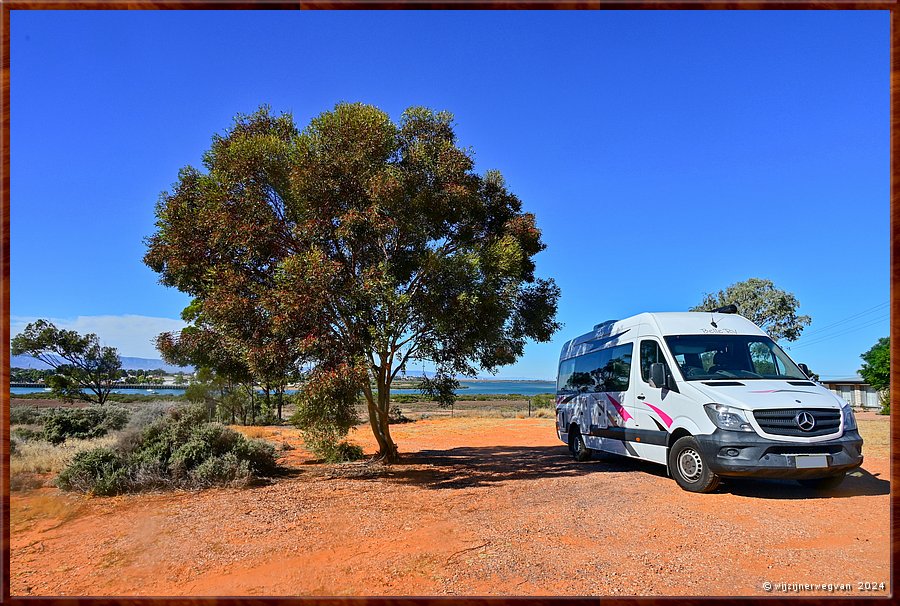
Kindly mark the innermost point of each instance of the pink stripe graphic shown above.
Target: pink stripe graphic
(666, 418)
(622, 412)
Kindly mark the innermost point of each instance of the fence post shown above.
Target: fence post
(529, 408)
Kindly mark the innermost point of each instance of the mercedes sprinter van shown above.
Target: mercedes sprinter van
(709, 395)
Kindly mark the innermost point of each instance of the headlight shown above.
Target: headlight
(725, 417)
(849, 419)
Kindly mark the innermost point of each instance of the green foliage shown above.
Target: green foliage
(27, 415)
(326, 410)
(772, 309)
(82, 423)
(119, 398)
(99, 471)
(544, 400)
(397, 417)
(441, 388)
(84, 370)
(181, 449)
(876, 368)
(28, 375)
(26, 434)
(355, 235)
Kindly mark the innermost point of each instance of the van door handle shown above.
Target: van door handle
(641, 397)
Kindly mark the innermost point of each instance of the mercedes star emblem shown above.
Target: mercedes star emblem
(805, 421)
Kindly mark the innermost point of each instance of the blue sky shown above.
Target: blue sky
(665, 154)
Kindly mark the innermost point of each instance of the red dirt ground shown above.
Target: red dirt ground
(479, 506)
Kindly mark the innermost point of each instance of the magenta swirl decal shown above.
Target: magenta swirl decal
(665, 418)
(619, 408)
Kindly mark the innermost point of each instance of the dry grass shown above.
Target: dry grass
(34, 459)
(253, 431)
(875, 432)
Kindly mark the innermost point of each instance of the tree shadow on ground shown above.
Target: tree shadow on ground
(470, 467)
(859, 482)
(478, 466)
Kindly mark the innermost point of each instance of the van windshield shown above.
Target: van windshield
(731, 357)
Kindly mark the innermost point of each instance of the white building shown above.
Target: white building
(855, 391)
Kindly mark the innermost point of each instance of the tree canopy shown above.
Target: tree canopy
(355, 241)
(772, 309)
(876, 368)
(83, 369)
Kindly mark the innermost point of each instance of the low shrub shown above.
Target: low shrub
(83, 423)
(885, 403)
(100, 471)
(396, 416)
(26, 434)
(180, 450)
(326, 411)
(26, 415)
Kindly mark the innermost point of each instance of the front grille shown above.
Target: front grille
(782, 421)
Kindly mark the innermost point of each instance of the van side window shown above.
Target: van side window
(603, 370)
(618, 370)
(566, 368)
(650, 354)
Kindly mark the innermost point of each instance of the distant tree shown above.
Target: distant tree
(876, 368)
(772, 309)
(223, 380)
(356, 239)
(84, 370)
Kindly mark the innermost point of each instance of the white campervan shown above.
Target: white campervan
(709, 395)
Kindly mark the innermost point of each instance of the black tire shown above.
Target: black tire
(580, 451)
(826, 483)
(689, 468)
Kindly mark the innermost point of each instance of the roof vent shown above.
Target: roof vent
(725, 309)
(602, 324)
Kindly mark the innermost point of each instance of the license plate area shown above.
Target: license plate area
(810, 461)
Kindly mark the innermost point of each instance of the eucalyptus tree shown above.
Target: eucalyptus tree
(357, 241)
(83, 368)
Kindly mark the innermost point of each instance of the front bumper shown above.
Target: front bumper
(764, 458)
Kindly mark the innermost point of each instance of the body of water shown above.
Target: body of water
(525, 388)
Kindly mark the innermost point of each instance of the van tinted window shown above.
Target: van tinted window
(565, 375)
(603, 370)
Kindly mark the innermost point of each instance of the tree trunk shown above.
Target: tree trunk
(279, 396)
(378, 420)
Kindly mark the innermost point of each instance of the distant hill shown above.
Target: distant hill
(127, 363)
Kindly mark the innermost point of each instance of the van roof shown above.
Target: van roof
(660, 323)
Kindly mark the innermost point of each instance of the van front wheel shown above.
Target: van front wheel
(579, 449)
(687, 466)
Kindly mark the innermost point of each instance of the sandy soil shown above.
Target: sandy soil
(480, 506)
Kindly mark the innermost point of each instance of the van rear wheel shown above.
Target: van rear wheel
(580, 451)
(688, 467)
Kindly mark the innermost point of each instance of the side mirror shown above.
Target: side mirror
(805, 370)
(660, 378)
(657, 374)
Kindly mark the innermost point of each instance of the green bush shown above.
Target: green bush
(182, 449)
(26, 434)
(885, 403)
(26, 415)
(396, 416)
(83, 423)
(99, 471)
(326, 411)
(543, 400)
